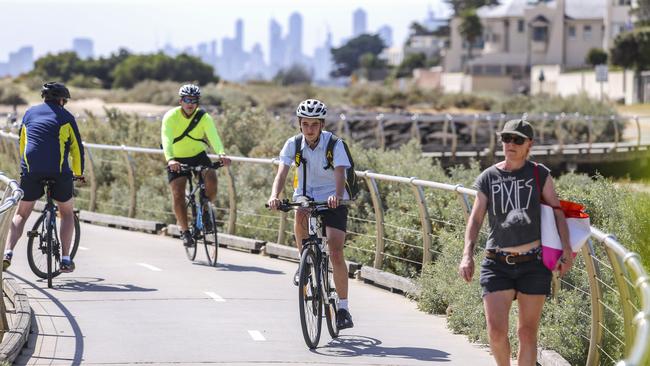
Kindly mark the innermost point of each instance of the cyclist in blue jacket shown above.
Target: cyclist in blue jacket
(48, 136)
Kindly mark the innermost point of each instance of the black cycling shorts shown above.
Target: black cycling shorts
(337, 218)
(200, 159)
(33, 189)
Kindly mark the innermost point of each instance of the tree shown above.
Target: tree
(61, 67)
(136, 68)
(470, 29)
(347, 57)
(11, 97)
(411, 62)
(632, 49)
(461, 5)
(296, 74)
(642, 12)
(596, 56)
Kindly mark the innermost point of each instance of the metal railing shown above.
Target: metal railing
(628, 279)
(12, 194)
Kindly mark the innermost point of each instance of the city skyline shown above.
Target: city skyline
(334, 20)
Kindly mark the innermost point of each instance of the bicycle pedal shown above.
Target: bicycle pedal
(32, 234)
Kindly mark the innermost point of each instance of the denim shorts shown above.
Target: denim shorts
(531, 278)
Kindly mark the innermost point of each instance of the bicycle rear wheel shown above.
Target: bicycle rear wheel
(330, 307)
(210, 238)
(310, 300)
(38, 254)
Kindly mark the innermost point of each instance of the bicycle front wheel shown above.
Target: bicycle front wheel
(309, 298)
(191, 250)
(330, 306)
(210, 238)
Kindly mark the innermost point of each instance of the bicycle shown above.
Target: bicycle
(203, 224)
(316, 292)
(48, 247)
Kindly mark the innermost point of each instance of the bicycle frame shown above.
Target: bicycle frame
(191, 199)
(318, 242)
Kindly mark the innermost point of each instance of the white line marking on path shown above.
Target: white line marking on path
(149, 266)
(216, 297)
(256, 335)
(82, 248)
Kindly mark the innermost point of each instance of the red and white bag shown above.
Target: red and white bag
(577, 220)
(579, 231)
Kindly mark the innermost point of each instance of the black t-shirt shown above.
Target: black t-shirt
(513, 204)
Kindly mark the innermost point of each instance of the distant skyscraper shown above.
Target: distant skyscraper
(239, 34)
(83, 47)
(294, 40)
(202, 52)
(323, 60)
(21, 61)
(386, 35)
(256, 68)
(359, 22)
(276, 47)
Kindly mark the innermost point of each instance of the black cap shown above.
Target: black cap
(518, 127)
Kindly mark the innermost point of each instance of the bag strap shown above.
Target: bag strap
(541, 198)
(298, 159)
(329, 152)
(193, 123)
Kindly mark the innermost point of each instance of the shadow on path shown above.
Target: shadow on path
(94, 284)
(78, 335)
(238, 268)
(355, 346)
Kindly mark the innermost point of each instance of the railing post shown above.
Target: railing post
(92, 200)
(381, 137)
(379, 219)
(559, 133)
(130, 169)
(445, 130)
(616, 132)
(590, 133)
(425, 221)
(464, 202)
(232, 202)
(543, 127)
(638, 131)
(593, 276)
(624, 296)
(454, 136)
(474, 129)
(415, 129)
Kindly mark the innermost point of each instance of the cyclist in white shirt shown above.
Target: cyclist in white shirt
(321, 184)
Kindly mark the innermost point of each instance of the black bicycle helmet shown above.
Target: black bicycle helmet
(54, 90)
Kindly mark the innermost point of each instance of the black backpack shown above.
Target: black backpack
(351, 181)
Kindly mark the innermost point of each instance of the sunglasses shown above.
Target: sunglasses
(518, 140)
(189, 100)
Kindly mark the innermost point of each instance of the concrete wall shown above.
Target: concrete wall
(428, 78)
(579, 46)
(452, 82)
(618, 86)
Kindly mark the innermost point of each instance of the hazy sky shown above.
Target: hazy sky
(146, 25)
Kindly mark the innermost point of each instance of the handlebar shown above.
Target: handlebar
(287, 206)
(198, 168)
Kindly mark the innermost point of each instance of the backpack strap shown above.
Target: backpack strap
(298, 159)
(329, 152)
(193, 123)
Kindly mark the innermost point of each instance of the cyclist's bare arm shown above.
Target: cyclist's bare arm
(278, 185)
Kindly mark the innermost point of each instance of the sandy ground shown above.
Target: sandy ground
(96, 106)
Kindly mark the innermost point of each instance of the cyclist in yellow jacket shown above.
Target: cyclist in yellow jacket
(183, 142)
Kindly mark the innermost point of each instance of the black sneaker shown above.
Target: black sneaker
(343, 319)
(67, 266)
(188, 241)
(296, 276)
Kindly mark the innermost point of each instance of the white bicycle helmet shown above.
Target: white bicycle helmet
(189, 90)
(311, 108)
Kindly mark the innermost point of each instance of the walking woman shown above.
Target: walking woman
(510, 193)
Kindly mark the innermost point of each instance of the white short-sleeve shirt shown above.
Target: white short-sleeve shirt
(320, 182)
